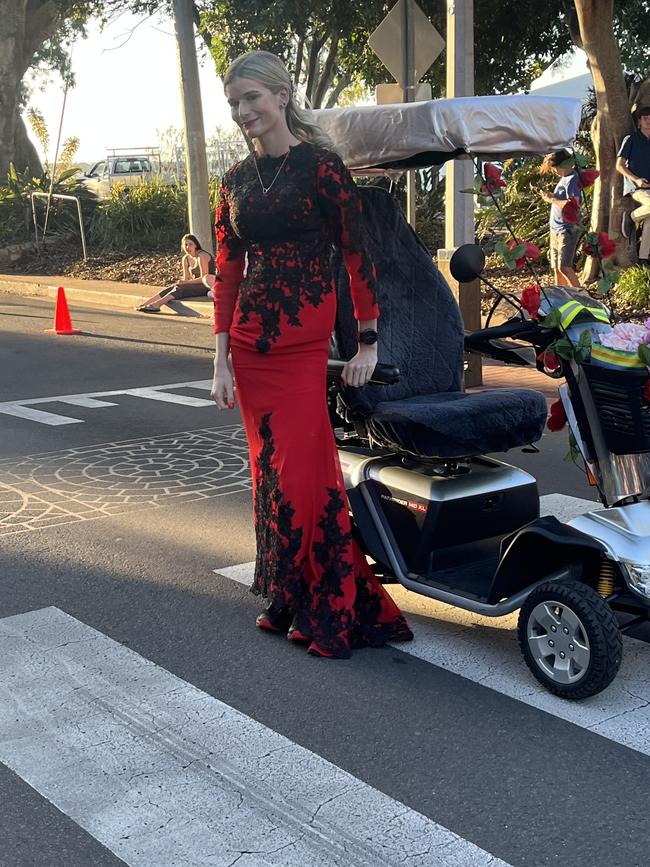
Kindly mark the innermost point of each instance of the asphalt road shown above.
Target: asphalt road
(122, 522)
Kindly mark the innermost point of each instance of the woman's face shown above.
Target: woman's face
(190, 247)
(255, 108)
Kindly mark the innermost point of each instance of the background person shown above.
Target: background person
(197, 264)
(564, 234)
(634, 164)
(280, 210)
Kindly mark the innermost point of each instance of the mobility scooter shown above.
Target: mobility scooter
(437, 512)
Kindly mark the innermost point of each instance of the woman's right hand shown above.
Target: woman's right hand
(223, 388)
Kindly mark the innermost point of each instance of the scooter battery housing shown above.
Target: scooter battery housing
(439, 515)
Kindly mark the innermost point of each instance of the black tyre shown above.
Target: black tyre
(570, 639)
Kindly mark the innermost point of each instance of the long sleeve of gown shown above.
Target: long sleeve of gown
(342, 204)
(230, 259)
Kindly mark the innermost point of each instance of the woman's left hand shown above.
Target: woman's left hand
(358, 370)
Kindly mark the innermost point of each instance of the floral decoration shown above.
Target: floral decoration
(626, 336)
(646, 391)
(599, 244)
(530, 299)
(571, 211)
(587, 178)
(493, 182)
(557, 417)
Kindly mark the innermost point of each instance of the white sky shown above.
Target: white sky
(127, 88)
(125, 92)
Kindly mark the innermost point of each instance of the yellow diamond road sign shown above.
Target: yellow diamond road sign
(388, 41)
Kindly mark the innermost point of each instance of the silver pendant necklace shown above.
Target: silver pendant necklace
(265, 190)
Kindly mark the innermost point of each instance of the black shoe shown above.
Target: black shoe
(274, 618)
(627, 226)
(148, 308)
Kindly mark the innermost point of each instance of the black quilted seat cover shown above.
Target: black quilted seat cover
(457, 425)
(421, 331)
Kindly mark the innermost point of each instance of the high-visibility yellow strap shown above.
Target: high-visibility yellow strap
(615, 357)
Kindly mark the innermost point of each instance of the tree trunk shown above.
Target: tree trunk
(315, 48)
(12, 15)
(25, 154)
(339, 87)
(613, 118)
(26, 25)
(328, 71)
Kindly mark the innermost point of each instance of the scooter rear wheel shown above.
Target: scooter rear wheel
(570, 639)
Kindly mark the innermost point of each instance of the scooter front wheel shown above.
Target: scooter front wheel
(570, 639)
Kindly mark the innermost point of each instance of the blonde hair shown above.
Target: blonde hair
(268, 70)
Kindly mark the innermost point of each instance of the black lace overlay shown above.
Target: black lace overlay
(288, 235)
(278, 542)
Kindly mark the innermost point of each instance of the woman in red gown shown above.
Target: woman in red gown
(280, 211)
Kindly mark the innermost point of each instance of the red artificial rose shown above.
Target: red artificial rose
(493, 174)
(571, 211)
(604, 246)
(646, 391)
(530, 299)
(493, 180)
(549, 359)
(532, 251)
(607, 246)
(557, 418)
(587, 178)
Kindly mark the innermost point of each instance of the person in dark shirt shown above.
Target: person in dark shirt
(634, 164)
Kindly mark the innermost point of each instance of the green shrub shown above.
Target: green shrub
(633, 288)
(146, 216)
(16, 222)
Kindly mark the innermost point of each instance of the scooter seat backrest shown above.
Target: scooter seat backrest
(420, 327)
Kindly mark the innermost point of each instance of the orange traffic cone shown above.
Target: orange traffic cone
(62, 322)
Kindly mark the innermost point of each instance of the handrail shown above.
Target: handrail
(69, 199)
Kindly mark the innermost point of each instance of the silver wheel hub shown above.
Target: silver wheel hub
(558, 641)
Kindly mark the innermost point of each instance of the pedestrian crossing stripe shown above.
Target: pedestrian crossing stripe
(163, 774)
(93, 400)
(485, 650)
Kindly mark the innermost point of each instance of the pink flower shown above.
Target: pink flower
(626, 336)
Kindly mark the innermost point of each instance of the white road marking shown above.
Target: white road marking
(180, 399)
(485, 650)
(50, 418)
(22, 408)
(88, 402)
(162, 773)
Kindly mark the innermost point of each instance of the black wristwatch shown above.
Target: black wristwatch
(368, 336)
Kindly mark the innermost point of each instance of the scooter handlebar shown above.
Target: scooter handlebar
(383, 374)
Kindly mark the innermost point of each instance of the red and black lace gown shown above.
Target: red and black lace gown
(280, 316)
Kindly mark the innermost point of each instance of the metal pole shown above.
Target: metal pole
(409, 96)
(459, 207)
(196, 164)
(56, 156)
